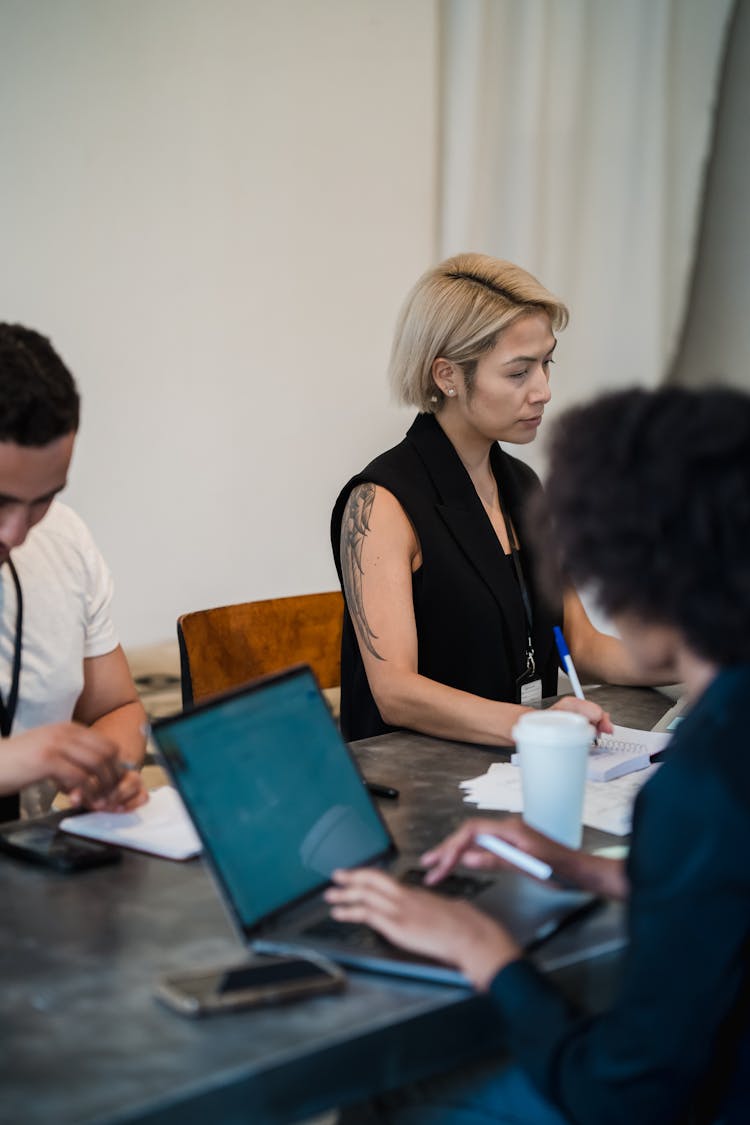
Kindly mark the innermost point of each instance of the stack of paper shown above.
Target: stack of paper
(608, 807)
(161, 827)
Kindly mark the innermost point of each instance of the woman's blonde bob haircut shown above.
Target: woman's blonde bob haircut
(456, 311)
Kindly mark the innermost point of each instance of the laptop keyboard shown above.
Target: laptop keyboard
(361, 936)
(355, 934)
(452, 886)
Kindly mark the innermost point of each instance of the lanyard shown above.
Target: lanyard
(8, 710)
(515, 556)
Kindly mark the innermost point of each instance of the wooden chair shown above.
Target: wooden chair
(224, 647)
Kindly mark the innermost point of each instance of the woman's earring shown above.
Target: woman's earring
(433, 398)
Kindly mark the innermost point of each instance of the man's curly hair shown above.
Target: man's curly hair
(649, 501)
(38, 396)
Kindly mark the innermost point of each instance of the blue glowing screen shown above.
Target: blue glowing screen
(273, 792)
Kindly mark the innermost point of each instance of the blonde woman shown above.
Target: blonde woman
(446, 630)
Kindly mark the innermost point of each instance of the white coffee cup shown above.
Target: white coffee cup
(553, 748)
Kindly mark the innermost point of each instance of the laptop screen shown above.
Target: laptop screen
(273, 792)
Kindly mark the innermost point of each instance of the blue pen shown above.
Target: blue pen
(570, 668)
(568, 664)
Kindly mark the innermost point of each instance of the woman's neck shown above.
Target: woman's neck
(472, 448)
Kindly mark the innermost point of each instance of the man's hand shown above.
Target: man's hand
(449, 931)
(83, 762)
(129, 793)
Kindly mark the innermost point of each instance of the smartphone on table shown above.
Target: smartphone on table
(44, 845)
(267, 980)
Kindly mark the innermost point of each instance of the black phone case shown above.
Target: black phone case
(68, 855)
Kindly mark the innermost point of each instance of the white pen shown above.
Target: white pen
(528, 863)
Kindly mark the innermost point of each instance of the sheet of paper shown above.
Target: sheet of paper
(607, 805)
(161, 827)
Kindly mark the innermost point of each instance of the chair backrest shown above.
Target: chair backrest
(224, 647)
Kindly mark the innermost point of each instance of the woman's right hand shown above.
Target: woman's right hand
(598, 718)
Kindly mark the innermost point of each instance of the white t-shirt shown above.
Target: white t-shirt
(67, 591)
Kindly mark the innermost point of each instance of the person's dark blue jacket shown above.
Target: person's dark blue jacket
(675, 1045)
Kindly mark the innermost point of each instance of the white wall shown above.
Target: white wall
(215, 208)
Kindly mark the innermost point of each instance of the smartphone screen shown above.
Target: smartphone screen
(268, 981)
(43, 844)
(275, 972)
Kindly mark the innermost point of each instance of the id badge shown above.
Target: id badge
(531, 693)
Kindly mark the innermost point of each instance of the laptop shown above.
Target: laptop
(671, 719)
(279, 803)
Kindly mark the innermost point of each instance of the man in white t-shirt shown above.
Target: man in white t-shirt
(69, 712)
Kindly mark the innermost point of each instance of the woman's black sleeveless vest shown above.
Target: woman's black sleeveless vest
(471, 623)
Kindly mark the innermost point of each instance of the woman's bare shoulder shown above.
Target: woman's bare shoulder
(373, 510)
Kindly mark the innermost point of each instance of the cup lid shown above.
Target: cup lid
(553, 727)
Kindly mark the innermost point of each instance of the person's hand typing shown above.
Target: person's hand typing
(448, 930)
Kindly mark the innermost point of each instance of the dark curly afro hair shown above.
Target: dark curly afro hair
(649, 502)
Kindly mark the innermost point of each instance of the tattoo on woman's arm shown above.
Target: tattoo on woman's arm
(354, 527)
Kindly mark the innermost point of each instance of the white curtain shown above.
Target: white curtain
(715, 342)
(574, 138)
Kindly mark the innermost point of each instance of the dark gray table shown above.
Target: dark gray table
(83, 1040)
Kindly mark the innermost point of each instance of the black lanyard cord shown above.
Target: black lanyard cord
(515, 556)
(8, 710)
